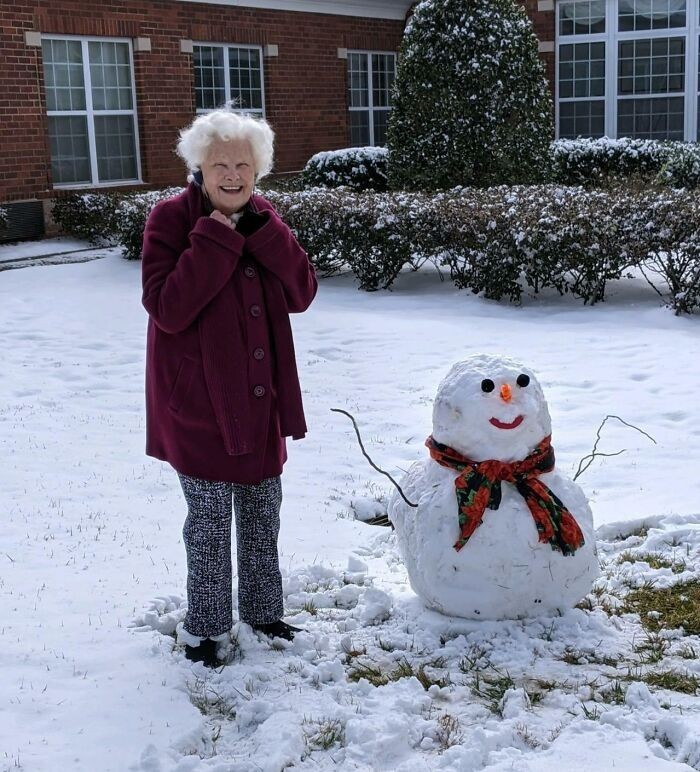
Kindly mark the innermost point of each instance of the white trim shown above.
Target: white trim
(271, 50)
(90, 114)
(545, 46)
(186, 47)
(373, 9)
(545, 6)
(227, 74)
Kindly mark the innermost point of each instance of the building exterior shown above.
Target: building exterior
(93, 94)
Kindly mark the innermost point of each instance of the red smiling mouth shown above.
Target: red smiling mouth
(500, 425)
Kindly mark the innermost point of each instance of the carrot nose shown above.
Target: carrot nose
(506, 393)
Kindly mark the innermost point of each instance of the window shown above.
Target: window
(623, 69)
(370, 81)
(91, 111)
(228, 74)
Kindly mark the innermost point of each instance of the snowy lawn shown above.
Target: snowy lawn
(92, 566)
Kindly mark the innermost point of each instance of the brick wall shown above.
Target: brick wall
(544, 28)
(305, 85)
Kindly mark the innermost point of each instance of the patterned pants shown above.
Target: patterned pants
(207, 536)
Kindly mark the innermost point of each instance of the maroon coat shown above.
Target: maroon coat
(222, 389)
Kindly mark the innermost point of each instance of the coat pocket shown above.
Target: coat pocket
(183, 382)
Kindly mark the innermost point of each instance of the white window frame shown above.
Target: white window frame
(227, 75)
(89, 113)
(370, 96)
(611, 37)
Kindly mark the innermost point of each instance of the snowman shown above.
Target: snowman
(498, 531)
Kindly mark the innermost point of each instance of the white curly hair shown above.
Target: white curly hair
(226, 125)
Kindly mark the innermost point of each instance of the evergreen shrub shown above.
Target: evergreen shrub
(471, 102)
(358, 168)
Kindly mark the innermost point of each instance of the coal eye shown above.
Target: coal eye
(523, 380)
(487, 385)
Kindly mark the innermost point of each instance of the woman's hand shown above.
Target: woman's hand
(217, 215)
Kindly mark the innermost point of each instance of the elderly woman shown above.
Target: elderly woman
(221, 273)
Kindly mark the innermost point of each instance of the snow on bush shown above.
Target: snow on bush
(359, 168)
(471, 100)
(494, 241)
(602, 161)
(3, 219)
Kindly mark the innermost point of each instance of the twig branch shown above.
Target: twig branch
(582, 465)
(372, 464)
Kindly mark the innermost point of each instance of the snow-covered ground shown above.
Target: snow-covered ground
(92, 565)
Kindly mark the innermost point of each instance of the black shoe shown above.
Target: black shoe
(204, 653)
(278, 629)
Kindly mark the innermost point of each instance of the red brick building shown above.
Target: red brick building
(93, 93)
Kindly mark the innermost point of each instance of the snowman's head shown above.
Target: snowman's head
(490, 408)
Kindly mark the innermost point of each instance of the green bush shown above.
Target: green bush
(497, 242)
(607, 161)
(471, 100)
(87, 215)
(358, 168)
(3, 219)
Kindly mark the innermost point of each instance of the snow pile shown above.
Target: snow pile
(411, 689)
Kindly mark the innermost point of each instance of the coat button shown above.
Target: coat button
(249, 271)
(259, 353)
(259, 391)
(255, 310)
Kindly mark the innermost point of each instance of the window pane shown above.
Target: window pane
(581, 17)
(380, 121)
(109, 67)
(582, 70)
(581, 119)
(651, 66)
(208, 77)
(651, 14)
(245, 73)
(70, 156)
(654, 118)
(116, 147)
(358, 80)
(359, 128)
(63, 75)
(383, 73)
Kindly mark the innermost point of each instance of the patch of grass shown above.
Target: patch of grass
(208, 701)
(323, 733)
(686, 683)
(470, 661)
(592, 714)
(652, 649)
(448, 731)
(405, 669)
(491, 687)
(384, 646)
(613, 693)
(642, 531)
(671, 607)
(524, 733)
(654, 560)
(310, 606)
(373, 674)
(687, 652)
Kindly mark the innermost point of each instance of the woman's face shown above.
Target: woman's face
(229, 174)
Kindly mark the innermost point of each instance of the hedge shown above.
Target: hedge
(358, 168)
(588, 162)
(495, 241)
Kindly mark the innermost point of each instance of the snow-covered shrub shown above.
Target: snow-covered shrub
(471, 101)
(359, 168)
(3, 219)
(682, 166)
(670, 223)
(130, 215)
(87, 215)
(601, 161)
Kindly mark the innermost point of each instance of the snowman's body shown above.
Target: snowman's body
(503, 571)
